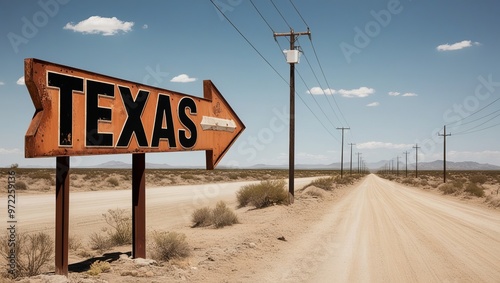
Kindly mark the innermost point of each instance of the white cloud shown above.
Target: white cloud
(317, 90)
(394, 93)
(145, 26)
(2, 83)
(358, 92)
(409, 94)
(304, 157)
(456, 46)
(386, 145)
(100, 25)
(373, 104)
(182, 78)
(20, 81)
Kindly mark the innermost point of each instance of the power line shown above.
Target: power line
(300, 97)
(474, 129)
(324, 93)
(474, 112)
(279, 12)
(299, 14)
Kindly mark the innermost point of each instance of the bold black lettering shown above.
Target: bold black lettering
(187, 103)
(66, 85)
(133, 124)
(163, 113)
(95, 114)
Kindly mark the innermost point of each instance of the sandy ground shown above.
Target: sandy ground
(373, 231)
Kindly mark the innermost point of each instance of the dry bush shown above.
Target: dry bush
(314, 192)
(448, 188)
(478, 179)
(223, 215)
(20, 185)
(74, 243)
(121, 224)
(112, 181)
(99, 242)
(493, 200)
(263, 194)
(32, 251)
(98, 267)
(202, 217)
(474, 189)
(323, 183)
(169, 245)
(220, 216)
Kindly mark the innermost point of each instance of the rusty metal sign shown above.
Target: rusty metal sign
(84, 113)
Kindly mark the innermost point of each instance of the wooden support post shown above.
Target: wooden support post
(139, 205)
(62, 215)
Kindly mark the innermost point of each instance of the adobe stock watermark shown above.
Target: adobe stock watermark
(363, 37)
(225, 6)
(30, 26)
(484, 89)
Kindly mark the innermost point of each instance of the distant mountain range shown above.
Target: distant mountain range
(434, 165)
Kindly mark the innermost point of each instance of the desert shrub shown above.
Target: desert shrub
(474, 189)
(218, 178)
(202, 217)
(99, 242)
(121, 224)
(315, 192)
(169, 245)
(244, 195)
(112, 181)
(345, 180)
(407, 181)
(323, 183)
(32, 251)
(20, 185)
(74, 243)
(424, 182)
(223, 215)
(188, 177)
(263, 194)
(478, 179)
(98, 267)
(493, 200)
(220, 216)
(233, 176)
(448, 188)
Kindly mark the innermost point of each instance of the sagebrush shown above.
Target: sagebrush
(263, 194)
(169, 245)
(220, 216)
(33, 252)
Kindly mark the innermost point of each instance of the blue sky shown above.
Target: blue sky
(396, 71)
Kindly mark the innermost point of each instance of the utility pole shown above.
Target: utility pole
(350, 163)
(444, 135)
(342, 153)
(358, 154)
(406, 163)
(292, 59)
(416, 147)
(397, 165)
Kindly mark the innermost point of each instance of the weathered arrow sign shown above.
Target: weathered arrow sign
(84, 113)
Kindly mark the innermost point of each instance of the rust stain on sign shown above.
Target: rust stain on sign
(84, 113)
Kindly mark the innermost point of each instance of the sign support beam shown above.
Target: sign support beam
(62, 215)
(139, 205)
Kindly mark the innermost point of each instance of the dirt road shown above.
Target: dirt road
(384, 232)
